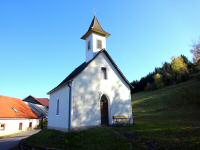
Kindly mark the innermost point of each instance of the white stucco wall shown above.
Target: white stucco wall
(12, 125)
(93, 39)
(60, 121)
(88, 88)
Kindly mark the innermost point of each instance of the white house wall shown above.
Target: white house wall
(88, 88)
(12, 125)
(59, 121)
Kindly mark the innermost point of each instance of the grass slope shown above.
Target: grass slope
(168, 118)
(90, 139)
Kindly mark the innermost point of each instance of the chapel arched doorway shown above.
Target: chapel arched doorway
(104, 110)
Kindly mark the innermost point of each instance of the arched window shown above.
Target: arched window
(58, 107)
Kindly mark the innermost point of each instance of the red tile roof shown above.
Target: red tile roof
(43, 101)
(15, 108)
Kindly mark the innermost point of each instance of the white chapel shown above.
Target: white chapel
(94, 93)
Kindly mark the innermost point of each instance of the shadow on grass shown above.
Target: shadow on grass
(95, 138)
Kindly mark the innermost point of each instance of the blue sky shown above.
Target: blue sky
(40, 39)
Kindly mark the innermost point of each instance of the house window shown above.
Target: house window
(89, 45)
(104, 71)
(2, 126)
(99, 44)
(57, 108)
(30, 124)
(20, 126)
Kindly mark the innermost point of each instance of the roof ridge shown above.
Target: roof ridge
(10, 97)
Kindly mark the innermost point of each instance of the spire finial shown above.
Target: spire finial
(94, 11)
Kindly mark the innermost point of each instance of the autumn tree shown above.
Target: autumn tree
(158, 80)
(177, 70)
(180, 68)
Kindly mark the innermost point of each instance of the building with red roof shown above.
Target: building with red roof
(40, 101)
(39, 105)
(16, 116)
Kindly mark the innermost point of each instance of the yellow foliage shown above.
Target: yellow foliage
(178, 65)
(158, 80)
(157, 77)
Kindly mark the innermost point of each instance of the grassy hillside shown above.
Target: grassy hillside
(164, 119)
(169, 117)
(176, 105)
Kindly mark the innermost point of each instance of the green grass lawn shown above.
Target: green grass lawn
(168, 118)
(93, 138)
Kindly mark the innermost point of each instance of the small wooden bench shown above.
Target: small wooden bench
(120, 119)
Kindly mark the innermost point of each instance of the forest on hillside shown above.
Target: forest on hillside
(180, 69)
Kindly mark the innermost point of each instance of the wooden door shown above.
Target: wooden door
(104, 110)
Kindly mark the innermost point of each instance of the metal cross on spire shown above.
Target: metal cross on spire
(94, 11)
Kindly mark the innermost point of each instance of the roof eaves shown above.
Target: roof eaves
(106, 34)
(59, 87)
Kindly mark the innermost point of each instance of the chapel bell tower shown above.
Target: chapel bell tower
(95, 39)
